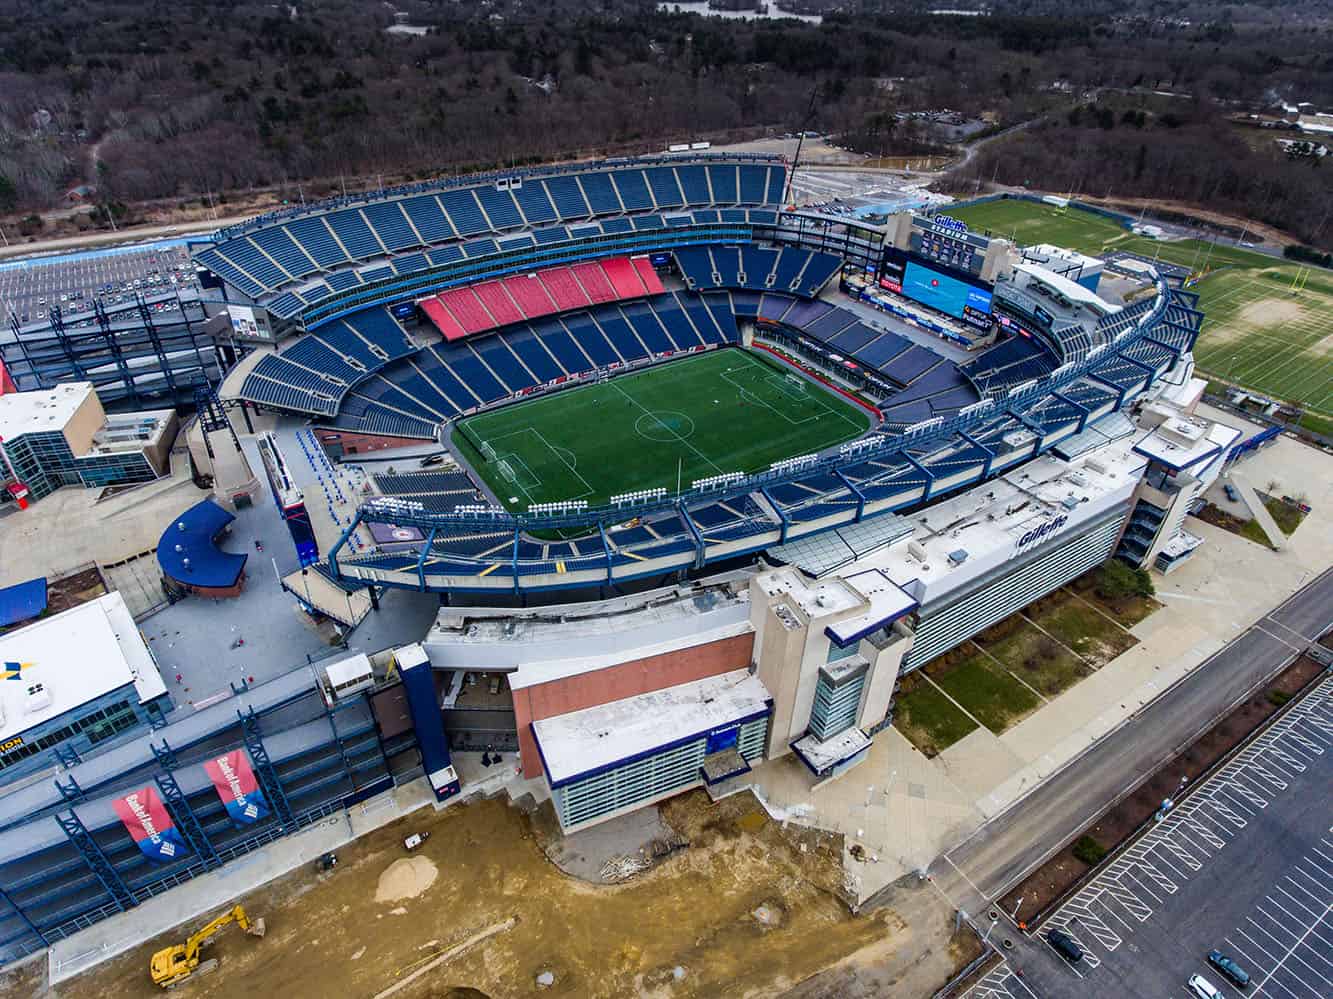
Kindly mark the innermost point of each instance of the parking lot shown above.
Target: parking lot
(31, 288)
(1243, 865)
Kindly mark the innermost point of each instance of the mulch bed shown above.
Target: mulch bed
(1050, 881)
(70, 591)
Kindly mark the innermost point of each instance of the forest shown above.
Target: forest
(151, 100)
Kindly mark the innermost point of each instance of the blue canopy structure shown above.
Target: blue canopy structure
(22, 601)
(188, 550)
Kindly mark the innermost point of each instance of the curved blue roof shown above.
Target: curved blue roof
(188, 551)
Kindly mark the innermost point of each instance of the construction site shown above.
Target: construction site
(739, 904)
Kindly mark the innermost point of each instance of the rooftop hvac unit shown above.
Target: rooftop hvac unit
(916, 550)
(1093, 465)
(958, 556)
(38, 698)
(350, 676)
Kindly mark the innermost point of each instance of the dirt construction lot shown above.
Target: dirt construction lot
(748, 909)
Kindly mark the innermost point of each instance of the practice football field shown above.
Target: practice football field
(724, 411)
(1268, 324)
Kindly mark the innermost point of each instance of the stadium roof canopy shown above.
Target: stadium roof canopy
(22, 601)
(188, 551)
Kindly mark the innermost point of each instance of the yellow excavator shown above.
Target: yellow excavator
(172, 965)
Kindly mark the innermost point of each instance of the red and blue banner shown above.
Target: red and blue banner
(236, 786)
(150, 826)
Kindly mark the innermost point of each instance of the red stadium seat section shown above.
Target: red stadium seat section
(527, 290)
(592, 278)
(624, 278)
(564, 288)
(498, 303)
(460, 312)
(648, 275)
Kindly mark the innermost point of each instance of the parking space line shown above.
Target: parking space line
(1291, 953)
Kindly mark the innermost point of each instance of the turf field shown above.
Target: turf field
(723, 411)
(1257, 332)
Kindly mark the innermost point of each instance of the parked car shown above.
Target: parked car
(1203, 988)
(1229, 968)
(1065, 946)
(1231, 492)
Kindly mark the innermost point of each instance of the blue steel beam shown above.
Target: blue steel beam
(1083, 410)
(268, 777)
(425, 554)
(185, 818)
(105, 872)
(855, 490)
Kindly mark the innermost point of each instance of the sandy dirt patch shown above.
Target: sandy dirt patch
(1271, 312)
(407, 877)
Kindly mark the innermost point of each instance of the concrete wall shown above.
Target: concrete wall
(86, 421)
(637, 676)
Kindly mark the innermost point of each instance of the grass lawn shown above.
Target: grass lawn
(928, 720)
(1085, 631)
(1041, 662)
(990, 695)
(1288, 517)
(723, 411)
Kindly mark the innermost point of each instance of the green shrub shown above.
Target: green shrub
(1278, 697)
(1089, 851)
(1116, 580)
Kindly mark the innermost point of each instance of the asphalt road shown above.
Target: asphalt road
(1005, 850)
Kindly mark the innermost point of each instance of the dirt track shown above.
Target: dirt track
(686, 928)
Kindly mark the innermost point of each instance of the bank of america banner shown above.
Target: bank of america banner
(150, 826)
(237, 787)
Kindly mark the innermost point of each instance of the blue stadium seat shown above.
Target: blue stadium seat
(390, 224)
(853, 338)
(621, 336)
(312, 352)
(568, 198)
(703, 321)
(644, 321)
(754, 183)
(523, 342)
(535, 204)
(677, 324)
(881, 351)
(377, 326)
(314, 237)
(600, 192)
(501, 360)
(428, 218)
(230, 273)
(788, 268)
(354, 234)
(666, 190)
(431, 363)
(633, 190)
(469, 370)
(342, 280)
(285, 253)
(694, 184)
(499, 207)
(588, 335)
(723, 180)
(464, 212)
(562, 347)
(246, 256)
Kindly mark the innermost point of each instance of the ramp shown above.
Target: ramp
(1276, 539)
(317, 592)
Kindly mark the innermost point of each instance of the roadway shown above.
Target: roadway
(1009, 847)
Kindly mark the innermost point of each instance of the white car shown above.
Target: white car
(1203, 988)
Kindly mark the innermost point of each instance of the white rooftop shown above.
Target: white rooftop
(816, 599)
(1071, 290)
(582, 741)
(888, 602)
(958, 538)
(47, 409)
(76, 656)
(1181, 442)
(821, 756)
(550, 643)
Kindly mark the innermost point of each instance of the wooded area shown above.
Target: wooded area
(154, 100)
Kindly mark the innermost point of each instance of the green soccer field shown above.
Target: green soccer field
(1259, 332)
(714, 413)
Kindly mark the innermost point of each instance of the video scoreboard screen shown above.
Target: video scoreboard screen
(946, 290)
(949, 242)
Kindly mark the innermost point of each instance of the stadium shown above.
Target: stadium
(696, 475)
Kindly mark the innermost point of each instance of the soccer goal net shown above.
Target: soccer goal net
(506, 471)
(794, 384)
(487, 451)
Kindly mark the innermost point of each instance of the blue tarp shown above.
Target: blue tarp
(188, 551)
(22, 601)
